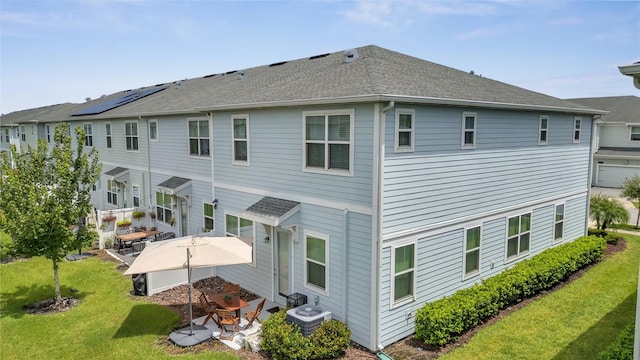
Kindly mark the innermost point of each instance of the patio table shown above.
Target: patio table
(236, 304)
(134, 236)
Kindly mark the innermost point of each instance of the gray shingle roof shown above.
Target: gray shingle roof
(377, 74)
(621, 108)
(174, 183)
(272, 207)
(115, 171)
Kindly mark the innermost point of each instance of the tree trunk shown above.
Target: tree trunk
(56, 281)
(638, 218)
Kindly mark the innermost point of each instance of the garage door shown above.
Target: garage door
(614, 175)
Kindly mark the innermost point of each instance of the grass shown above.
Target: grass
(575, 322)
(624, 227)
(109, 323)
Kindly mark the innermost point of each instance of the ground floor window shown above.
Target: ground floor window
(316, 261)
(558, 229)
(164, 209)
(519, 231)
(403, 272)
(112, 193)
(472, 251)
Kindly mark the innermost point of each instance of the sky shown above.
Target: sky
(57, 51)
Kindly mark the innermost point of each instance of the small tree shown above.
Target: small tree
(46, 196)
(605, 211)
(631, 190)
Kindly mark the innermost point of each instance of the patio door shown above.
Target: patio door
(283, 259)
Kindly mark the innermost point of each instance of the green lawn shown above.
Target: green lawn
(575, 322)
(109, 323)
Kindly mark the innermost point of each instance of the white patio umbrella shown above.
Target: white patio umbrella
(188, 253)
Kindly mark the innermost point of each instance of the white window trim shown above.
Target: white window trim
(520, 255)
(546, 130)
(312, 287)
(157, 138)
(213, 218)
(48, 127)
(88, 136)
(114, 193)
(133, 195)
(253, 235)
(244, 117)
(108, 135)
(408, 299)
(555, 222)
(198, 156)
(397, 147)
(137, 136)
(577, 120)
(631, 132)
(466, 276)
(464, 130)
(351, 113)
(171, 208)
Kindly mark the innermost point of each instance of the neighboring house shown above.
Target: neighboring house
(616, 140)
(370, 181)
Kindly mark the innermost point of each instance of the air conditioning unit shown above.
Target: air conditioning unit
(307, 317)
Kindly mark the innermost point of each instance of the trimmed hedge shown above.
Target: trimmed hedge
(621, 348)
(283, 340)
(443, 321)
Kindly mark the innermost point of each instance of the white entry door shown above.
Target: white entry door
(283, 263)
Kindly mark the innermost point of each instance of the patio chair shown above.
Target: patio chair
(209, 309)
(232, 289)
(252, 315)
(227, 318)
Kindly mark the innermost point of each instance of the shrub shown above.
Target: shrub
(612, 239)
(596, 232)
(621, 348)
(283, 340)
(442, 321)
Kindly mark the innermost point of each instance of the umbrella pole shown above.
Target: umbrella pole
(189, 282)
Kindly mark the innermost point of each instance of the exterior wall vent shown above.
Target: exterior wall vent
(350, 55)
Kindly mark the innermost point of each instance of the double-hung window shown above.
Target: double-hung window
(558, 228)
(634, 133)
(403, 262)
(519, 231)
(577, 123)
(107, 131)
(164, 209)
(88, 135)
(135, 192)
(112, 193)
(328, 141)
(472, 251)
(242, 228)
(48, 134)
(199, 138)
(316, 269)
(153, 130)
(469, 120)
(240, 139)
(405, 125)
(208, 220)
(131, 135)
(543, 130)
(23, 134)
(6, 135)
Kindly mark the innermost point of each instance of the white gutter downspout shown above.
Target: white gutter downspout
(378, 157)
(345, 264)
(594, 125)
(213, 162)
(149, 196)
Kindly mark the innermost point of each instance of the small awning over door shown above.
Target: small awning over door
(118, 174)
(271, 211)
(176, 186)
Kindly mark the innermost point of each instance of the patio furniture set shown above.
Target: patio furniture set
(225, 310)
(137, 238)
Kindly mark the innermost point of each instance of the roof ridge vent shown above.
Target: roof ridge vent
(350, 55)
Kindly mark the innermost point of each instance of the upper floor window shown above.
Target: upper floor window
(107, 131)
(199, 137)
(208, 220)
(48, 127)
(543, 129)
(404, 130)
(472, 251)
(164, 209)
(328, 141)
(469, 130)
(153, 130)
(519, 230)
(112, 193)
(558, 228)
(135, 192)
(316, 268)
(240, 139)
(131, 135)
(403, 262)
(634, 133)
(88, 132)
(577, 122)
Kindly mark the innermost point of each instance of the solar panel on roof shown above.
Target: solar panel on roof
(128, 97)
